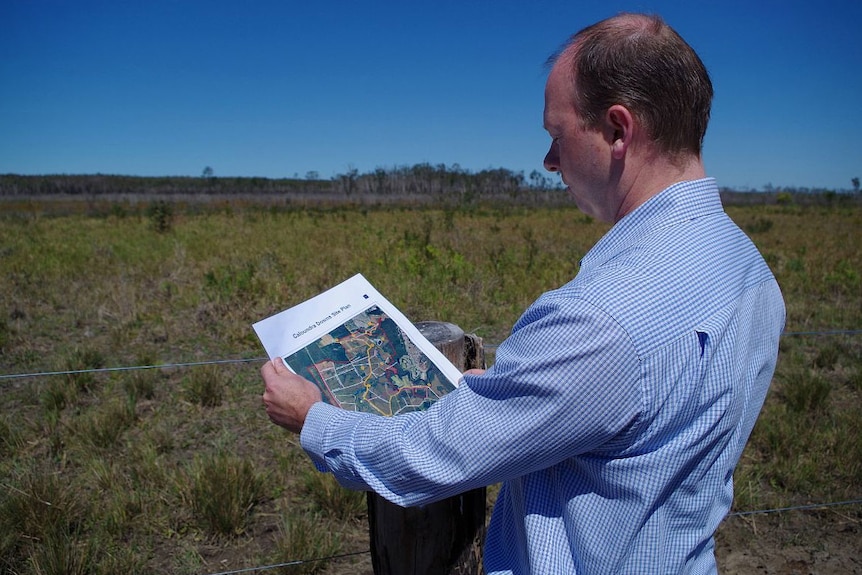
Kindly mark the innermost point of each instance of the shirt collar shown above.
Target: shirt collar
(680, 202)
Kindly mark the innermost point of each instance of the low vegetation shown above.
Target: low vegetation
(175, 468)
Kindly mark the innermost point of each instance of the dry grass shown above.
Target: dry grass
(178, 470)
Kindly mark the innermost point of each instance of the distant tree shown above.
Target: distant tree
(208, 172)
(539, 181)
(855, 182)
(312, 175)
(346, 183)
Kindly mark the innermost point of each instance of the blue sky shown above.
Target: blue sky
(274, 89)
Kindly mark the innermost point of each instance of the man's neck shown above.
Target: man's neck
(653, 177)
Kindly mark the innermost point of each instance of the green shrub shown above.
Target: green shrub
(141, 384)
(301, 540)
(805, 392)
(222, 491)
(759, 226)
(4, 333)
(42, 517)
(57, 394)
(205, 385)
(11, 437)
(844, 277)
(79, 362)
(828, 355)
(161, 214)
(333, 499)
(64, 554)
(102, 426)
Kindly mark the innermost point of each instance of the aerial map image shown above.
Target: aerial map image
(368, 364)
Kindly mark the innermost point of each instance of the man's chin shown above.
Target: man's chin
(582, 205)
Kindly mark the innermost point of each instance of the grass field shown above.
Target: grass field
(177, 469)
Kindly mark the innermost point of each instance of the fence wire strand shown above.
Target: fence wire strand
(795, 508)
(290, 563)
(131, 368)
(487, 346)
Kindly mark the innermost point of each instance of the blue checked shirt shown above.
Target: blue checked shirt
(613, 415)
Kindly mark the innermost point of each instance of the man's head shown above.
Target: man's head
(640, 62)
(627, 104)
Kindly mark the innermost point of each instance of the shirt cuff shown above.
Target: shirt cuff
(314, 431)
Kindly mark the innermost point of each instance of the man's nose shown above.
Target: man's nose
(552, 159)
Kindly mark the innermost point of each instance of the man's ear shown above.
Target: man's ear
(620, 123)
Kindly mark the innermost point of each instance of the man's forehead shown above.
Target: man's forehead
(558, 88)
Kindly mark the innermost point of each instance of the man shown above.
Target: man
(616, 411)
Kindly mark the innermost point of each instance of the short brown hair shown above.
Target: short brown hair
(640, 62)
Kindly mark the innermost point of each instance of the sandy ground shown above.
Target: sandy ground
(825, 542)
(811, 542)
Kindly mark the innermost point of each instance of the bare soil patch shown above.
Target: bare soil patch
(827, 542)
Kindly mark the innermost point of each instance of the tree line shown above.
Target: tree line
(419, 179)
(424, 183)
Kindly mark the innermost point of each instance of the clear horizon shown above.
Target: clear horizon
(277, 90)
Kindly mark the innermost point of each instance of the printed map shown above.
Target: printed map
(367, 364)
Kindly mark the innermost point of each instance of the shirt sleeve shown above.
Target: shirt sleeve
(564, 383)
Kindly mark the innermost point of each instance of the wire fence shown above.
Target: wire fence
(291, 563)
(131, 368)
(488, 347)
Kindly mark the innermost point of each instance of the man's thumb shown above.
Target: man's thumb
(278, 364)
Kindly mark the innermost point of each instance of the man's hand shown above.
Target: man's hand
(287, 397)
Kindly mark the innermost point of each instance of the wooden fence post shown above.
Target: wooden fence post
(443, 538)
